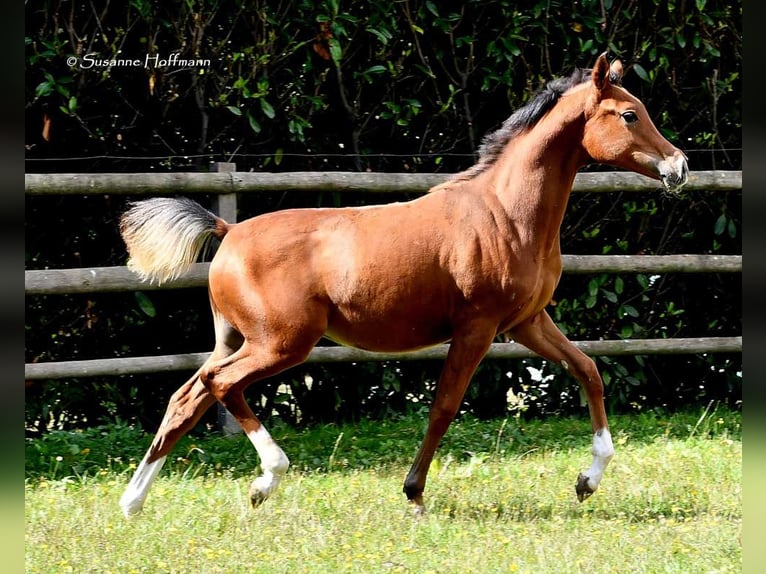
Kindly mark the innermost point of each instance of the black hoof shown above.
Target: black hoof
(582, 489)
(256, 497)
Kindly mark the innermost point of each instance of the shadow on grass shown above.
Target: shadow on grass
(523, 507)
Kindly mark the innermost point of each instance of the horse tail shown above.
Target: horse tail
(165, 236)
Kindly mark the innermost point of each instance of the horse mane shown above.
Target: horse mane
(524, 118)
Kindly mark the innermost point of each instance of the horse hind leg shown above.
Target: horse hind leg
(227, 379)
(185, 408)
(465, 352)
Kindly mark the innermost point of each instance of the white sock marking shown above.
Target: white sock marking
(603, 451)
(274, 461)
(132, 500)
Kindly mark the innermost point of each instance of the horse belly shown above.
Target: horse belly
(375, 324)
(399, 337)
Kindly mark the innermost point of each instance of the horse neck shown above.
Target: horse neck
(533, 177)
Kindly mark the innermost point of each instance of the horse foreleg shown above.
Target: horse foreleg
(465, 354)
(185, 408)
(541, 335)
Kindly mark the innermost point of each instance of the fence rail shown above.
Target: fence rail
(227, 183)
(192, 361)
(310, 181)
(104, 279)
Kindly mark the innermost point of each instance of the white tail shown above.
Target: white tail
(165, 236)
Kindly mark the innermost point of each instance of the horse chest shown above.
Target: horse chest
(524, 291)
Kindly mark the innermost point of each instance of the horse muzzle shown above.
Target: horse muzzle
(674, 172)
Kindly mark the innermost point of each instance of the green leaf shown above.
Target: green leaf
(382, 36)
(234, 110)
(43, 89)
(720, 224)
(432, 8)
(701, 5)
(375, 69)
(254, 125)
(731, 229)
(641, 72)
(619, 285)
(628, 310)
(145, 304)
(267, 109)
(278, 155)
(335, 52)
(63, 90)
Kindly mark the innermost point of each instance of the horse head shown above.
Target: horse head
(619, 131)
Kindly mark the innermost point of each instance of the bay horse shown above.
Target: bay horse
(476, 257)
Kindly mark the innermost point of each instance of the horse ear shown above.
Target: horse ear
(615, 75)
(600, 73)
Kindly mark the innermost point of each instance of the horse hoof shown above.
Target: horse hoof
(131, 504)
(582, 488)
(418, 510)
(256, 496)
(256, 499)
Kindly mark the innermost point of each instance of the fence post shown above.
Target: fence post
(225, 206)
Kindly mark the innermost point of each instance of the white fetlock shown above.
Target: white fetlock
(274, 463)
(132, 500)
(603, 451)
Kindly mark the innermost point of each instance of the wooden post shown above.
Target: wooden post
(225, 206)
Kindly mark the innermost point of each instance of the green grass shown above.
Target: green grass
(500, 498)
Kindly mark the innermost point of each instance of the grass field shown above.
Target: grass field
(500, 498)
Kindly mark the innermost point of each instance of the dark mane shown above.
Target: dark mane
(525, 117)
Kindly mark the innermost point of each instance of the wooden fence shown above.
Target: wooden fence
(226, 183)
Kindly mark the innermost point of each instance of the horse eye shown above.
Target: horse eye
(629, 117)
